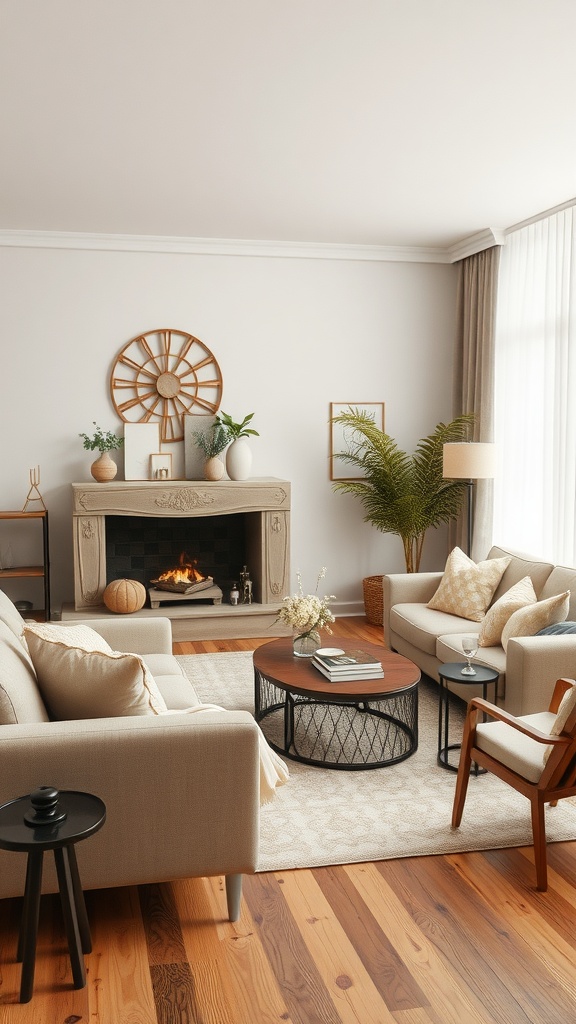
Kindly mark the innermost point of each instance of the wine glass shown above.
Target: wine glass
(469, 646)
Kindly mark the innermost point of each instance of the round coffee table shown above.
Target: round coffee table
(352, 725)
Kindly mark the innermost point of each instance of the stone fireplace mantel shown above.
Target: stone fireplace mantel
(268, 546)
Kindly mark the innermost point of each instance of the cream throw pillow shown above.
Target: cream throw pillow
(80, 676)
(527, 621)
(466, 588)
(520, 595)
(567, 705)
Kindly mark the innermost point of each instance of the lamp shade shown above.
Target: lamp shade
(469, 460)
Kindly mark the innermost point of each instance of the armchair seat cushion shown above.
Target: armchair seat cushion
(520, 753)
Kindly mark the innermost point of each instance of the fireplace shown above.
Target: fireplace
(133, 529)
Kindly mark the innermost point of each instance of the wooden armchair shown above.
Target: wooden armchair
(536, 754)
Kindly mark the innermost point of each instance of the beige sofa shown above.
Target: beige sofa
(531, 665)
(181, 791)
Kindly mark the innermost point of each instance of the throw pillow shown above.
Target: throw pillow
(567, 705)
(528, 621)
(557, 629)
(520, 595)
(466, 588)
(80, 676)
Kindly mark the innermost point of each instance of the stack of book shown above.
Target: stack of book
(347, 665)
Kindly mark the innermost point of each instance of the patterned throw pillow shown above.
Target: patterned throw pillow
(527, 621)
(520, 595)
(80, 676)
(466, 588)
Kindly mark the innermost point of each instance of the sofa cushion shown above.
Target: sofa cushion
(10, 615)
(527, 621)
(557, 629)
(467, 587)
(173, 683)
(420, 625)
(20, 699)
(567, 705)
(520, 595)
(559, 580)
(520, 566)
(449, 649)
(79, 676)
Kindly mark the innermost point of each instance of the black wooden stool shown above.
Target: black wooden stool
(49, 820)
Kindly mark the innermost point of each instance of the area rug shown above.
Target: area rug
(322, 816)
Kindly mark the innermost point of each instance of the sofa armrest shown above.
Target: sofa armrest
(181, 792)
(407, 588)
(151, 635)
(533, 664)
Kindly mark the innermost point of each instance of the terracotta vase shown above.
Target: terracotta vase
(213, 468)
(104, 468)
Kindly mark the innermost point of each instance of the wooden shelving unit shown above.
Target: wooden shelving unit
(41, 571)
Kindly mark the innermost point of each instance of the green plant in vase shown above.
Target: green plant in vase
(103, 441)
(238, 456)
(212, 442)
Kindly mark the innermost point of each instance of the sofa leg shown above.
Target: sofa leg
(233, 895)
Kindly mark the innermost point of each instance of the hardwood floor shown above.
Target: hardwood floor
(459, 939)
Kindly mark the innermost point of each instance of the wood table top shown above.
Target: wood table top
(277, 663)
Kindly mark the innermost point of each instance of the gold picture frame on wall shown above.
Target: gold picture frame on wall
(340, 470)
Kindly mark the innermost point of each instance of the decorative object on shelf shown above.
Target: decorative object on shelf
(212, 442)
(342, 435)
(306, 614)
(245, 586)
(103, 441)
(238, 455)
(161, 376)
(141, 440)
(124, 596)
(34, 493)
(234, 594)
(402, 494)
(161, 466)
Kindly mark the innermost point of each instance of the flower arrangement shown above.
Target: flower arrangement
(101, 440)
(307, 613)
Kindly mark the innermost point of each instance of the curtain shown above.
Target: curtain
(535, 393)
(474, 380)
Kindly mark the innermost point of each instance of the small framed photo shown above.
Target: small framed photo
(161, 466)
(341, 437)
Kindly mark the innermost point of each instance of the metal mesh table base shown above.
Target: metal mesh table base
(338, 734)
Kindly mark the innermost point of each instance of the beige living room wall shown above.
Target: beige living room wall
(291, 336)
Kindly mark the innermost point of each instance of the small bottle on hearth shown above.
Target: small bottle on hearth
(234, 594)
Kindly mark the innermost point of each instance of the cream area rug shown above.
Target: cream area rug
(324, 816)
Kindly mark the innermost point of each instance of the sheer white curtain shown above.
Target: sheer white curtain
(535, 390)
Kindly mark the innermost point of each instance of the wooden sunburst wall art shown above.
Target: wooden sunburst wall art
(162, 376)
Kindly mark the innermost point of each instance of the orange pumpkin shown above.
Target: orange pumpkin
(124, 596)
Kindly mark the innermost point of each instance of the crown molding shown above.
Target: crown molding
(476, 243)
(222, 247)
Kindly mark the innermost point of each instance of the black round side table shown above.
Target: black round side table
(452, 673)
(51, 820)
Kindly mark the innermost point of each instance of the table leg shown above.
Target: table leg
(79, 902)
(29, 926)
(66, 887)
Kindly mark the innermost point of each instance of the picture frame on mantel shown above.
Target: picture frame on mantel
(140, 441)
(161, 466)
(339, 436)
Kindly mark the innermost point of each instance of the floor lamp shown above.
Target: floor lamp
(469, 460)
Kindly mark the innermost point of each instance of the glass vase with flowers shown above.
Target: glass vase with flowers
(307, 614)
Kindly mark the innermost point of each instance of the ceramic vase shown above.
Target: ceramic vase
(239, 459)
(104, 468)
(305, 645)
(213, 468)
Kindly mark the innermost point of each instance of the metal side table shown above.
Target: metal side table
(49, 820)
(452, 673)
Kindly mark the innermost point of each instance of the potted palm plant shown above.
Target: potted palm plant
(401, 493)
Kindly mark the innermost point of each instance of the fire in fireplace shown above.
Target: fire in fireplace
(184, 578)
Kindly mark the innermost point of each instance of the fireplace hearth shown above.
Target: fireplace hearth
(138, 530)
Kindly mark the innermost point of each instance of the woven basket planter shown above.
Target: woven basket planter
(373, 591)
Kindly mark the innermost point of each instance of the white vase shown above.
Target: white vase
(239, 459)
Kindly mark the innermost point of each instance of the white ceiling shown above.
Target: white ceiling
(374, 122)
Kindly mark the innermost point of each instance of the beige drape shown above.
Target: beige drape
(474, 379)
